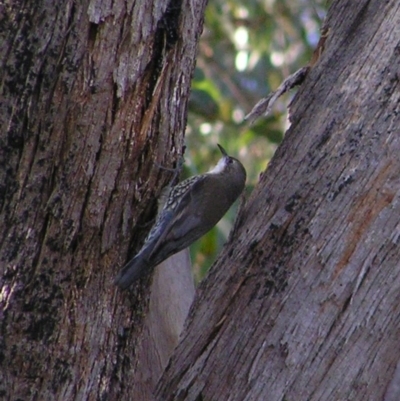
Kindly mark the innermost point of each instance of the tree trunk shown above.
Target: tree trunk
(171, 295)
(94, 98)
(304, 301)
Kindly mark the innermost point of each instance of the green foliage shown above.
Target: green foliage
(246, 51)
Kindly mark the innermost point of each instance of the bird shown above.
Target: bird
(187, 211)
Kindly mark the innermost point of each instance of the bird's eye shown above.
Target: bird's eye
(230, 160)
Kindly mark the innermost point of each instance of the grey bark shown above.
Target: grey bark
(171, 294)
(93, 97)
(304, 301)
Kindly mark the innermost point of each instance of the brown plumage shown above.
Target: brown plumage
(191, 209)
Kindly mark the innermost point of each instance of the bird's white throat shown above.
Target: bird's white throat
(219, 168)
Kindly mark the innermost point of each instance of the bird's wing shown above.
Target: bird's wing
(179, 223)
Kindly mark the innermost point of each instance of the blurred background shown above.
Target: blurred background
(247, 49)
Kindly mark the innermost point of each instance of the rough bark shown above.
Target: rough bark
(94, 98)
(304, 301)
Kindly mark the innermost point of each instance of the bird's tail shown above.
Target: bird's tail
(132, 271)
(147, 258)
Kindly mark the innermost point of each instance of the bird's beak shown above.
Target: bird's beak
(223, 151)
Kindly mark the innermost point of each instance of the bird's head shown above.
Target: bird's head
(231, 170)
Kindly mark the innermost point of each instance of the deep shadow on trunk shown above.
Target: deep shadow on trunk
(304, 301)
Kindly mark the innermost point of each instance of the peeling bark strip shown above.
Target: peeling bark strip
(264, 106)
(303, 303)
(93, 94)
